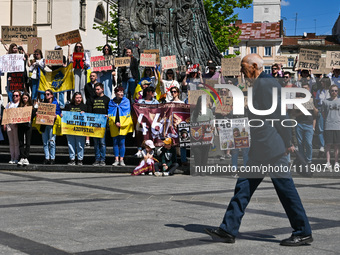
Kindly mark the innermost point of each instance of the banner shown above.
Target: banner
(157, 122)
(68, 37)
(309, 59)
(184, 134)
(201, 133)
(120, 62)
(102, 63)
(333, 59)
(45, 114)
(59, 80)
(54, 57)
(78, 60)
(17, 115)
(33, 43)
(12, 63)
(83, 124)
(169, 62)
(16, 82)
(233, 133)
(155, 51)
(18, 32)
(148, 60)
(231, 66)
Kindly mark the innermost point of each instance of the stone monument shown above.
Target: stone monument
(175, 27)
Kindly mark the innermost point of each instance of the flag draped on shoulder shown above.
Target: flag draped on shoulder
(59, 80)
(125, 119)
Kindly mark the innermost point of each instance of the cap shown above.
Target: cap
(168, 141)
(150, 144)
(145, 82)
(57, 47)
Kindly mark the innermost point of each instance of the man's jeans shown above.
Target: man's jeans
(99, 148)
(129, 85)
(49, 142)
(304, 136)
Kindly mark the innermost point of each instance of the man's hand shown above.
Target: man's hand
(290, 149)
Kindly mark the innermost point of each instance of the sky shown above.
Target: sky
(319, 14)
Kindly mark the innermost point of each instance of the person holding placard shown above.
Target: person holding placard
(47, 130)
(168, 83)
(80, 67)
(191, 81)
(34, 67)
(106, 77)
(12, 130)
(76, 143)
(149, 77)
(25, 131)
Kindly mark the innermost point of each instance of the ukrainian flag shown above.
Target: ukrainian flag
(125, 120)
(59, 80)
(158, 86)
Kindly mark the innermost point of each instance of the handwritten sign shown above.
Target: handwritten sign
(156, 51)
(169, 62)
(281, 60)
(193, 68)
(147, 59)
(17, 115)
(231, 66)
(193, 96)
(226, 107)
(120, 62)
(54, 57)
(12, 63)
(333, 59)
(78, 62)
(17, 41)
(102, 63)
(16, 82)
(68, 37)
(18, 32)
(34, 43)
(309, 59)
(46, 114)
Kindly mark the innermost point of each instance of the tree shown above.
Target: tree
(110, 28)
(221, 17)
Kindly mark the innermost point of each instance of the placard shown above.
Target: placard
(17, 41)
(16, 82)
(102, 63)
(45, 114)
(17, 115)
(33, 43)
(322, 68)
(12, 63)
(148, 60)
(169, 62)
(54, 57)
(193, 96)
(226, 107)
(155, 51)
(68, 37)
(184, 134)
(231, 66)
(281, 60)
(308, 105)
(18, 32)
(309, 59)
(124, 61)
(201, 133)
(193, 68)
(333, 59)
(78, 60)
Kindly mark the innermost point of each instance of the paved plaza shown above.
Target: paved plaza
(87, 213)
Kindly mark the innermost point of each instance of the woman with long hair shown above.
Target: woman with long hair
(35, 66)
(107, 77)
(168, 83)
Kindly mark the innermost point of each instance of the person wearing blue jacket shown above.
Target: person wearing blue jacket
(47, 130)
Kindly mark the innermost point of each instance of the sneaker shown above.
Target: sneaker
(11, 162)
(46, 162)
(322, 149)
(21, 162)
(139, 154)
(150, 173)
(52, 162)
(222, 158)
(157, 174)
(329, 166)
(80, 163)
(228, 155)
(336, 167)
(96, 163)
(87, 144)
(26, 162)
(165, 173)
(122, 163)
(102, 163)
(116, 163)
(72, 163)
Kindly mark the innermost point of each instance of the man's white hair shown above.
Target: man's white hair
(255, 58)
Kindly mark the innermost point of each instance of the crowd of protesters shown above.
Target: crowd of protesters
(106, 94)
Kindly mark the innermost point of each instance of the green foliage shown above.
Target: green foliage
(220, 15)
(110, 28)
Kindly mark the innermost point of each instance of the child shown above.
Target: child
(147, 165)
(168, 157)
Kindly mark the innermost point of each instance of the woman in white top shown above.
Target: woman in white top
(168, 83)
(35, 66)
(175, 96)
(12, 130)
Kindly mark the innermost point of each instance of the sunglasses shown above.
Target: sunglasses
(47, 94)
(16, 95)
(174, 91)
(286, 77)
(224, 91)
(334, 90)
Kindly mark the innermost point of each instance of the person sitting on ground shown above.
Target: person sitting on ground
(168, 163)
(147, 164)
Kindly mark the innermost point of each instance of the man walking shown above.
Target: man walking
(270, 145)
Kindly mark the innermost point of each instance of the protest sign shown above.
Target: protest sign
(231, 66)
(193, 68)
(78, 60)
(281, 60)
(12, 63)
(233, 133)
(83, 124)
(17, 115)
(102, 63)
(184, 134)
(193, 96)
(16, 82)
(211, 82)
(169, 62)
(156, 122)
(201, 133)
(54, 57)
(155, 51)
(323, 69)
(309, 59)
(68, 37)
(147, 59)
(33, 43)
(17, 41)
(226, 107)
(45, 114)
(17, 32)
(333, 59)
(124, 61)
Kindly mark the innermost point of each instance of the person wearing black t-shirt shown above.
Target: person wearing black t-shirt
(76, 144)
(99, 104)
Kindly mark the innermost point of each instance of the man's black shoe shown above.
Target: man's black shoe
(52, 162)
(297, 240)
(221, 234)
(46, 162)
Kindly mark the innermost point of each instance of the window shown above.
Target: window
(290, 62)
(100, 14)
(253, 50)
(42, 12)
(267, 51)
(82, 15)
(236, 48)
(267, 69)
(226, 53)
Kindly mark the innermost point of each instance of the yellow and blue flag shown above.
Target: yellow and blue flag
(59, 80)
